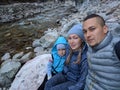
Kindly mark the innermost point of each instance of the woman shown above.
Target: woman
(76, 67)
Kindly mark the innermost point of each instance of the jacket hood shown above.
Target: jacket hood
(60, 40)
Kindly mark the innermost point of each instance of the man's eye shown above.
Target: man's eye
(84, 31)
(92, 28)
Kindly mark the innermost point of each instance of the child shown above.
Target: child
(59, 56)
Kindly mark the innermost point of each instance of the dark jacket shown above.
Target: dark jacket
(77, 72)
(117, 49)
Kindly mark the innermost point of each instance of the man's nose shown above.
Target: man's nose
(88, 34)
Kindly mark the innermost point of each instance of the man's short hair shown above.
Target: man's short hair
(99, 18)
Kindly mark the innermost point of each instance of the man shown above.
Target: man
(104, 65)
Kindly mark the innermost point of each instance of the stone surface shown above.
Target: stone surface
(32, 74)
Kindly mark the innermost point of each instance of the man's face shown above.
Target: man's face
(94, 32)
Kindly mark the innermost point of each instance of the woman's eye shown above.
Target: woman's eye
(75, 37)
(69, 38)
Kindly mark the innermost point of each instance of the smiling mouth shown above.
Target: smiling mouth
(72, 45)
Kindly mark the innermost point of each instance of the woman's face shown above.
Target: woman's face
(75, 42)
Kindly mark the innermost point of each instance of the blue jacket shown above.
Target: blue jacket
(104, 66)
(77, 72)
(58, 61)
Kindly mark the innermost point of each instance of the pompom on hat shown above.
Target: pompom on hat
(60, 46)
(77, 29)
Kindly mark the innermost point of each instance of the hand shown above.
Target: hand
(49, 77)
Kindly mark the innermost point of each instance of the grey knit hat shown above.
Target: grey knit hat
(60, 46)
(77, 29)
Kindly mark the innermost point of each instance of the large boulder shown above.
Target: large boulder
(32, 74)
(7, 72)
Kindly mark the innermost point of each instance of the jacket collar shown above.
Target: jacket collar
(104, 43)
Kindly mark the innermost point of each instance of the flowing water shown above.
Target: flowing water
(16, 36)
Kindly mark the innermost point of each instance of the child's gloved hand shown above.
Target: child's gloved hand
(49, 77)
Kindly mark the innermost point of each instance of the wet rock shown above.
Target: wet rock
(26, 57)
(7, 72)
(6, 57)
(18, 55)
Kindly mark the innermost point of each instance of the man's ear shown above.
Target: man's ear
(105, 27)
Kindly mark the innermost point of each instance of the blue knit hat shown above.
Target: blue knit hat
(60, 46)
(77, 29)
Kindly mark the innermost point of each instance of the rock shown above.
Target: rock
(6, 57)
(26, 57)
(7, 72)
(7, 35)
(18, 55)
(32, 74)
(38, 50)
(36, 43)
(48, 39)
(68, 25)
(116, 31)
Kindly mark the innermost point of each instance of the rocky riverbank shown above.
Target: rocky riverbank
(28, 21)
(32, 37)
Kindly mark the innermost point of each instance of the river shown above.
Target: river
(17, 33)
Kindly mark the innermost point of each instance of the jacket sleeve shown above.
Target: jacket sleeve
(117, 49)
(81, 82)
(65, 69)
(49, 69)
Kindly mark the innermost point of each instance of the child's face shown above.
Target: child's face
(61, 52)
